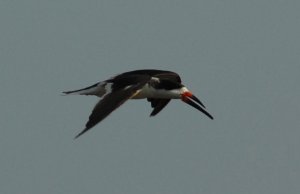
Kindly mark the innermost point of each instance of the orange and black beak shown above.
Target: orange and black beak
(192, 100)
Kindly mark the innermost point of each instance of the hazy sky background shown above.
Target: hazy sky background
(241, 58)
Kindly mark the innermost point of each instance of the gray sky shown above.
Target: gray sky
(241, 58)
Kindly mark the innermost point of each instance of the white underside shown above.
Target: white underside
(150, 92)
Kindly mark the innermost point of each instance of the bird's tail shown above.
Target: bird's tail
(91, 90)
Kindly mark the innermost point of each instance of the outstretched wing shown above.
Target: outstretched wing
(120, 93)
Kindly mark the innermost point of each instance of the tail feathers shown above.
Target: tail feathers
(91, 90)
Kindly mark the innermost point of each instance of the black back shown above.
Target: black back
(169, 75)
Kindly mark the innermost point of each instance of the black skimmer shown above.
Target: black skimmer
(158, 86)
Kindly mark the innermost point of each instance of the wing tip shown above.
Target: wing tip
(81, 133)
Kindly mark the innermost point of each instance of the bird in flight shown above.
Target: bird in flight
(158, 86)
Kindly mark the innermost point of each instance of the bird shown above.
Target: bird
(157, 86)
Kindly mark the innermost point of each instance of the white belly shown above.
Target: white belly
(150, 92)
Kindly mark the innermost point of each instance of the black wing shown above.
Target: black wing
(116, 98)
(157, 104)
(154, 73)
